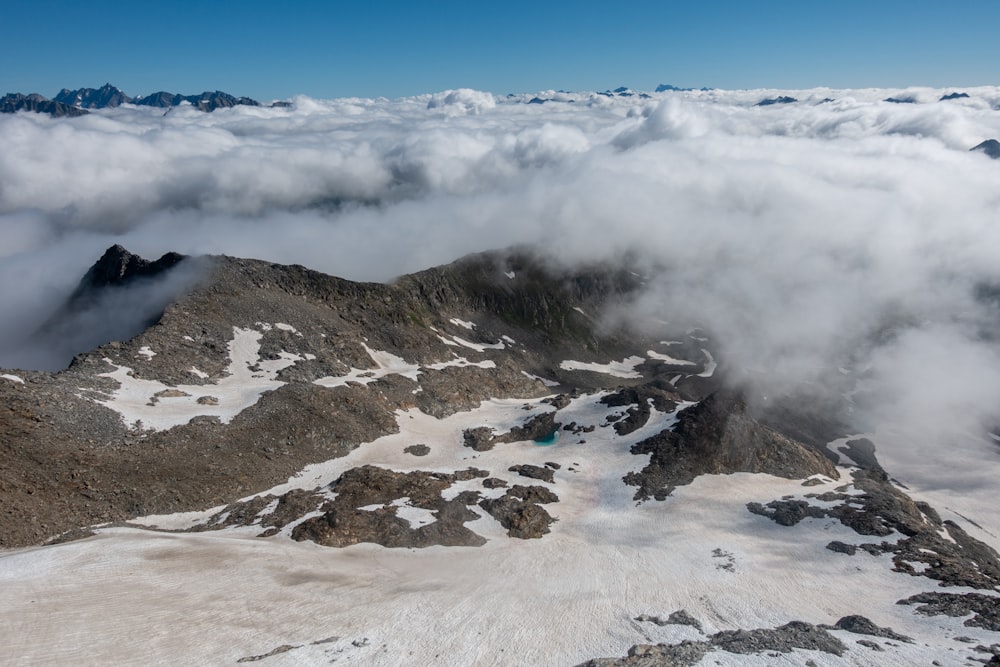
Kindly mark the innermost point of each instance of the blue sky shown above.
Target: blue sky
(334, 49)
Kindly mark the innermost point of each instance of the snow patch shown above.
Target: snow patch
(462, 323)
(478, 347)
(151, 404)
(710, 365)
(668, 359)
(287, 327)
(622, 369)
(545, 381)
(146, 352)
(12, 378)
(387, 363)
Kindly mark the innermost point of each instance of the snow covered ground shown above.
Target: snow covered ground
(131, 596)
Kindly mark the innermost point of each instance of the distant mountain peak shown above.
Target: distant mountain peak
(93, 98)
(117, 266)
(75, 102)
(991, 147)
(782, 99)
(14, 102)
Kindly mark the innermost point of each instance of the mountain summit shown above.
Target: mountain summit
(93, 98)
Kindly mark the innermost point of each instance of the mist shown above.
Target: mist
(838, 236)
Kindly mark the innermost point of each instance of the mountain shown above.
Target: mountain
(468, 465)
(75, 102)
(14, 102)
(664, 87)
(207, 101)
(991, 147)
(118, 267)
(93, 98)
(783, 99)
(952, 96)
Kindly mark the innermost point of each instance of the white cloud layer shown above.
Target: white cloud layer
(805, 236)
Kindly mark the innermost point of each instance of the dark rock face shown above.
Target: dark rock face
(991, 147)
(862, 452)
(118, 267)
(107, 96)
(417, 450)
(718, 436)
(119, 297)
(14, 102)
(783, 99)
(641, 399)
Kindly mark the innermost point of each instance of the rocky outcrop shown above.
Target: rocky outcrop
(482, 439)
(640, 401)
(860, 625)
(985, 609)
(930, 547)
(118, 267)
(784, 639)
(719, 436)
(520, 511)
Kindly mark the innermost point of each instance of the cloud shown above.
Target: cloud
(808, 237)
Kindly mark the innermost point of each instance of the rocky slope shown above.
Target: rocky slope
(73, 461)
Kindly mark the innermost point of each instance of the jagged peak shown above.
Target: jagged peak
(118, 266)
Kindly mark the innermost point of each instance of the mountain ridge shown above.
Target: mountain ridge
(401, 449)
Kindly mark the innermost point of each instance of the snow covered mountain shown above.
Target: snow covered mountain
(472, 464)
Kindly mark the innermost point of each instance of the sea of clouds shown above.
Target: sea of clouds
(840, 234)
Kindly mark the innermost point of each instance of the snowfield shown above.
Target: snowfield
(130, 595)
